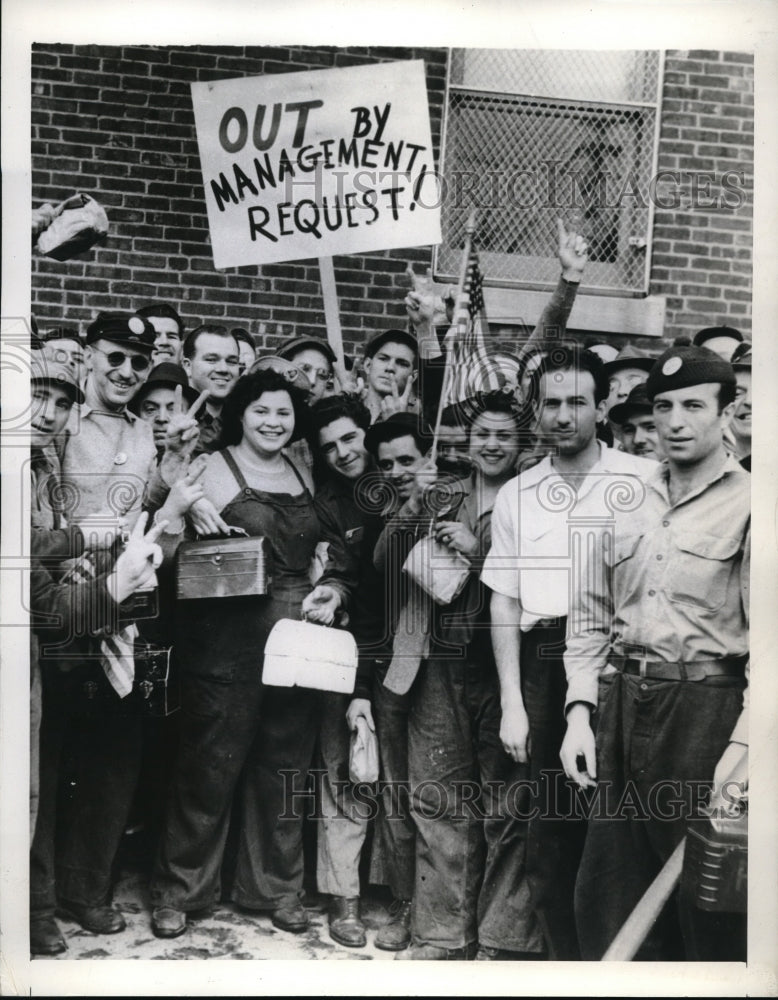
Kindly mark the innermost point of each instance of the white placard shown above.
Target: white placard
(300, 165)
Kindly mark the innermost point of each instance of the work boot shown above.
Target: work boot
(396, 934)
(292, 918)
(167, 922)
(46, 937)
(434, 953)
(104, 919)
(346, 925)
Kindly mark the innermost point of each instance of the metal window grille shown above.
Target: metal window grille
(531, 135)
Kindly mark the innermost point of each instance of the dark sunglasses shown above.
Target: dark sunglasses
(116, 359)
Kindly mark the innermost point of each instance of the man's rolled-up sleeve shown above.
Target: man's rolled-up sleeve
(500, 571)
(588, 631)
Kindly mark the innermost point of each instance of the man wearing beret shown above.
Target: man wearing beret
(660, 624)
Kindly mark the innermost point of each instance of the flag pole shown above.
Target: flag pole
(447, 374)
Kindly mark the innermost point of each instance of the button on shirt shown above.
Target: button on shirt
(671, 582)
(109, 459)
(541, 521)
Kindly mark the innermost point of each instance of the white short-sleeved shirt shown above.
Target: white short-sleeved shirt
(540, 522)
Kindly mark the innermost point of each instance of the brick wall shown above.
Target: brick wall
(702, 256)
(117, 123)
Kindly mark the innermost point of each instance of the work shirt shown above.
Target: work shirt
(540, 521)
(670, 583)
(344, 511)
(109, 465)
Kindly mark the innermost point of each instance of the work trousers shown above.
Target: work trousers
(658, 743)
(470, 803)
(557, 831)
(394, 847)
(78, 829)
(258, 741)
(342, 821)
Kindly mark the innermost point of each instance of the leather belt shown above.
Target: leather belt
(697, 670)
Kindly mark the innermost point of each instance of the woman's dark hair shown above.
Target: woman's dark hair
(491, 402)
(247, 390)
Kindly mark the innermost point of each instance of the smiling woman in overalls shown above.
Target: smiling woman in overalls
(238, 736)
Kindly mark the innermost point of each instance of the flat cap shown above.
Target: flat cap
(391, 337)
(303, 344)
(43, 369)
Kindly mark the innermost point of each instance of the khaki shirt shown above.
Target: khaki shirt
(670, 582)
(108, 463)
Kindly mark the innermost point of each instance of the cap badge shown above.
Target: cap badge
(671, 366)
(135, 323)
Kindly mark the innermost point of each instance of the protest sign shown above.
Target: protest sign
(312, 164)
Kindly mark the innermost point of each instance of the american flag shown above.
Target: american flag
(469, 369)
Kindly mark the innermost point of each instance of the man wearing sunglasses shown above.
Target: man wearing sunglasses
(109, 460)
(109, 470)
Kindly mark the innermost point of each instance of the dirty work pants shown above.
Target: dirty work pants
(469, 802)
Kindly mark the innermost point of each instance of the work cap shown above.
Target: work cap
(122, 328)
(43, 369)
(166, 375)
(636, 402)
(303, 344)
(716, 331)
(629, 357)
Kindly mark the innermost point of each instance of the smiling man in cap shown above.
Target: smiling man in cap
(390, 363)
(315, 359)
(109, 471)
(661, 623)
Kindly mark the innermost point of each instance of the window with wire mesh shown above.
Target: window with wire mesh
(532, 135)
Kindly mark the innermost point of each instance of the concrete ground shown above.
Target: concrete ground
(225, 933)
